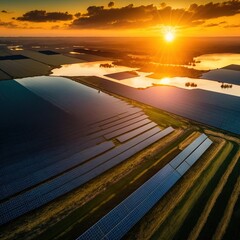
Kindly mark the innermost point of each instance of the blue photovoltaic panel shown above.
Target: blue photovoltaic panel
(53, 170)
(43, 194)
(141, 201)
(129, 111)
(198, 152)
(136, 132)
(187, 151)
(126, 129)
(119, 126)
(43, 159)
(119, 212)
(122, 120)
(182, 168)
(138, 212)
(117, 229)
(79, 175)
(112, 218)
(137, 196)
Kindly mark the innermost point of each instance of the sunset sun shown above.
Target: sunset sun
(169, 36)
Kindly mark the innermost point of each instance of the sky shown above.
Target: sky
(119, 18)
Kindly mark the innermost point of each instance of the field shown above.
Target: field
(87, 156)
(185, 211)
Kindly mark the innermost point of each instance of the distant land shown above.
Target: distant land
(111, 138)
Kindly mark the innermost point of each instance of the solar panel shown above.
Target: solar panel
(136, 132)
(143, 191)
(180, 157)
(122, 120)
(43, 159)
(74, 179)
(126, 129)
(141, 201)
(131, 110)
(182, 168)
(116, 228)
(198, 152)
(53, 170)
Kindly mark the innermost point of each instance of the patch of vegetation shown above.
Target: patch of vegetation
(181, 221)
(222, 201)
(190, 84)
(232, 232)
(172, 71)
(165, 119)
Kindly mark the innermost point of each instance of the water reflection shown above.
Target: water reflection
(144, 82)
(15, 48)
(216, 60)
(141, 81)
(75, 53)
(87, 69)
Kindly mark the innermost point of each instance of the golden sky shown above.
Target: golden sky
(118, 18)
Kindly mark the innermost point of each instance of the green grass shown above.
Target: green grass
(218, 210)
(165, 119)
(232, 231)
(182, 219)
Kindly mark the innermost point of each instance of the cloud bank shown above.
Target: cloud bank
(44, 16)
(135, 17)
(150, 15)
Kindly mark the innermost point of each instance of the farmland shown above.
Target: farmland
(82, 207)
(84, 153)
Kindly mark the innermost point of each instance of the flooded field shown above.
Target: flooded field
(142, 80)
(216, 60)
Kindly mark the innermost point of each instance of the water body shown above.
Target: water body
(216, 60)
(87, 69)
(141, 81)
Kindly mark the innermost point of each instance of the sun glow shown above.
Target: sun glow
(169, 37)
(169, 34)
(165, 81)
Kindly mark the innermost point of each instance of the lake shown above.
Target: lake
(141, 81)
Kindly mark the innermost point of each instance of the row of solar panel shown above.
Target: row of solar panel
(64, 183)
(77, 135)
(52, 170)
(33, 173)
(80, 170)
(20, 68)
(123, 217)
(62, 189)
(56, 155)
(77, 182)
(43, 160)
(53, 60)
(130, 111)
(80, 140)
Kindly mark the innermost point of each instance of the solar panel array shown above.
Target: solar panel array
(223, 112)
(56, 171)
(53, 170)
(124, 216)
